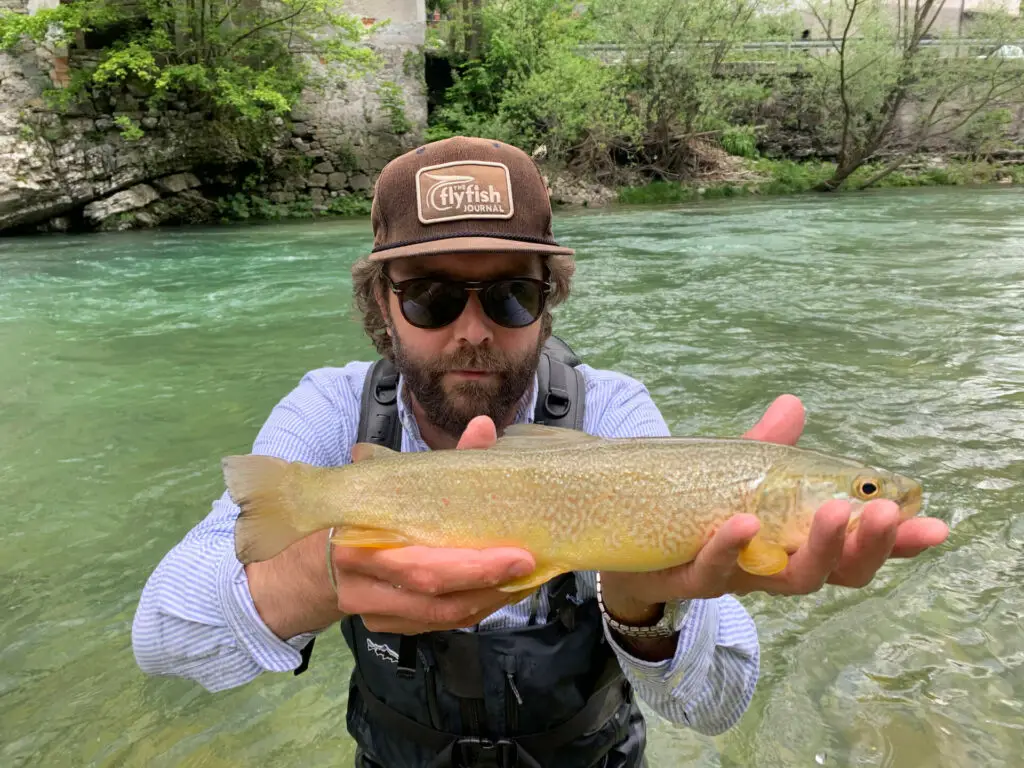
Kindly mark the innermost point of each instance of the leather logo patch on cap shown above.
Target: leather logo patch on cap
(463, 190)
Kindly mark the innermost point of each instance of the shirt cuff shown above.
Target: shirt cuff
(695, 646)
(266, 649)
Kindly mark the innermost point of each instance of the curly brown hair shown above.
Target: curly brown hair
(369, 277)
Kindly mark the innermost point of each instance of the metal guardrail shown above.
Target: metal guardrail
(806, 44)
(789, 50)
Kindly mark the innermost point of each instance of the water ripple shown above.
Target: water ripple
(129, 364)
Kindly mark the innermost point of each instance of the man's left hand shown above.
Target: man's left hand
(828, 557)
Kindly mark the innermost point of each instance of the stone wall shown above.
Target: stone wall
(76, 170)
(346, 131)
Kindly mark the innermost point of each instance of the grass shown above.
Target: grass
(790, 177)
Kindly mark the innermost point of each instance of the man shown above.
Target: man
(457, 294)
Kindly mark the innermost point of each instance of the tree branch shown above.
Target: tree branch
(270, 23)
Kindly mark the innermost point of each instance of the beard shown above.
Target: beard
(451, 409)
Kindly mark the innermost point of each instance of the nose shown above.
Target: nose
(472, 326)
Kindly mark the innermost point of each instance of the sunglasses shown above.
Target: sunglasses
(432, 303)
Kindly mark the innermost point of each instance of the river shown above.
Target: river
(130, 363)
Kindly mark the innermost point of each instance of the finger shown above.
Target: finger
(401, 626)
(809, 566)
(436, 571)
(715, 565)
(917, 534)
(404, 626)
(479, 433)
(869, 548)
(363, 595)
(783, 422)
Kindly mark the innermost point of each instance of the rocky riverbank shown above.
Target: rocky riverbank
(109, 162)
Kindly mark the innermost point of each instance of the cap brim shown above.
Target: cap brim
(469, 245)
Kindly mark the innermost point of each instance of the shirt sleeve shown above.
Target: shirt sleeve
(196, 618)
(709, 682)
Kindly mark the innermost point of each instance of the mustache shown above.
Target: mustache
(479, 358)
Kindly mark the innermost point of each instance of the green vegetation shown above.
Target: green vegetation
(616, 89)
(663, 97)
(787, 177)
(243, 207)
(242, 62)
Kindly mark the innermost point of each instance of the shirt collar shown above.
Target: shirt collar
(414, 440)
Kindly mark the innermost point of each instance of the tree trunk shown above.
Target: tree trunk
(841, 174)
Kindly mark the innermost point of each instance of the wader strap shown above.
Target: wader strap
(378, 417)
(407, 657)
(561, 590)
(561, 390)
(606, 699)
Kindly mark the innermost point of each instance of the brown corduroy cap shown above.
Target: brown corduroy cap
(461, 195)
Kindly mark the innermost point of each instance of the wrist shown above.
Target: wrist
(643, 629)
(292, 592)
(624, 606)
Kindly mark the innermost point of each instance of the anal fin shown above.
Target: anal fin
(368, 538)
(761, 558)
(540, 575)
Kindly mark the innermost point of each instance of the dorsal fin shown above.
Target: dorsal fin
(534, 437)
(368, 451)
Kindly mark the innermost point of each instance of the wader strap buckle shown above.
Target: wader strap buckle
(557, 403)
(476, 752)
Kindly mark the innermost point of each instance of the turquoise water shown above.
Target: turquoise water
(130, 363)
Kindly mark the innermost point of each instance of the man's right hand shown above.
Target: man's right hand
(414, 589)
(425, 589)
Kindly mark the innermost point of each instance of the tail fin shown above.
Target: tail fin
(260, 486)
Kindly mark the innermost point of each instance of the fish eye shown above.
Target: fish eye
(867, 488)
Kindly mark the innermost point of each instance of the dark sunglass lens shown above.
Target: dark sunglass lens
(432, 303)
(513, 303)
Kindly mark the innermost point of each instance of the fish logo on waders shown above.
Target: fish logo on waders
(382, 651)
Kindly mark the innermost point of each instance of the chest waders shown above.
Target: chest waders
(547, 694)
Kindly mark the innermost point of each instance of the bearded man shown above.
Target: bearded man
(457, 296)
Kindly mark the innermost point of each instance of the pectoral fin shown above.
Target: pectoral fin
(368, 538)
(528, 583)
(762, 559)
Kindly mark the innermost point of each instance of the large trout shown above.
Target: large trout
(574, 501)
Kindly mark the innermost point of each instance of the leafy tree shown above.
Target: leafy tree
(240, 59)
(674, 71)
(543, 78)
(891, 83)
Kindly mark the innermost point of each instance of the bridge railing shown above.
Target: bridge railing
(788, 50)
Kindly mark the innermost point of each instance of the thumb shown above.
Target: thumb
(783, 422)
(479, 433)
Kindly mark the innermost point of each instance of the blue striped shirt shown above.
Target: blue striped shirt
(196, 617)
